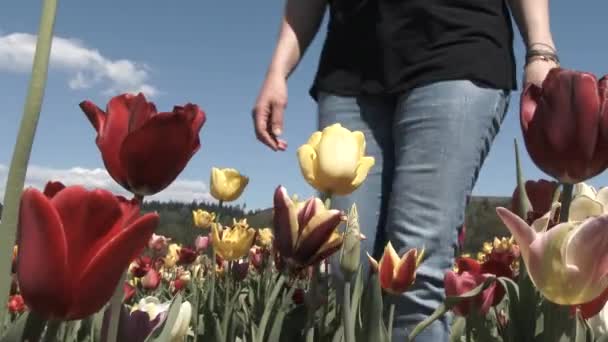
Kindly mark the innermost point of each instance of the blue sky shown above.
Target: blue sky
(215, 54)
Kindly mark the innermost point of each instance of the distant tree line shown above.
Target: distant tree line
(176, 219)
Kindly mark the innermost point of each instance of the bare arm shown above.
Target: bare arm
(532, 18)
(300, 24)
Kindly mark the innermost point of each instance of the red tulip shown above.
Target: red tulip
(16, 304)
(74, 247)
(144, 151)
(128, 290)
(540, 193)
(591, 308)
(565, 124)
(151, 280)
(470, 275)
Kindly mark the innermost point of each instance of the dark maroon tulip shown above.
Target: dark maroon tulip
(540, 194)
(144, 151)
(565, 124)
(75, 244)
(133, 327)
(186, 256)
(141, 266)
(305, 233)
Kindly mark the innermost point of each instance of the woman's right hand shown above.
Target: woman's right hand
(269, 110)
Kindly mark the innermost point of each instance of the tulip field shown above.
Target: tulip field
(108, 276)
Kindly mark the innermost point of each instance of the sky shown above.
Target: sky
(214, 54)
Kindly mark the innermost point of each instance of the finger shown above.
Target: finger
(260, 119)
(276, 118)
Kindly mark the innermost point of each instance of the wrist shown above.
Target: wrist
(277, 72)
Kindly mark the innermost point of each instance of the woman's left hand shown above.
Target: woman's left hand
(536, 71)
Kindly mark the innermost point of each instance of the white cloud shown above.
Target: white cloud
(85, 66)
(183, 190)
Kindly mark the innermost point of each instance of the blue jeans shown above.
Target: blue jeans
(429, 145)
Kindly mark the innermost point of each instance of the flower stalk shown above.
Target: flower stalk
(23, 145)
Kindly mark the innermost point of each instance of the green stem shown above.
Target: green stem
(52, 328)
(349, 328)
(310, 334)
(23, 146)
(391, 315)
(118, 296)
(278, 286)
(115, 306)
(564, 211)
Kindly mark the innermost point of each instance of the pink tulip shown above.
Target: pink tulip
(565, 262)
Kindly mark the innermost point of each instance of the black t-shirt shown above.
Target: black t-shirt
(391, 46)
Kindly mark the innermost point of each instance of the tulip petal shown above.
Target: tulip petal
(307, 211)
(387, 266)
(52, 188)
(338, 154)
(285, 222)
(309, 165)
(470, 265)
(524, 234)
(593, 307)
(319, 229)
(456, 285)
(198, 119)
(140, 111)
(155, 154)
(330, 247)
(602, 197)
(583, 207)
(108, 264)
(365, 165)
(87, 217)
(589, 268)
(405, 271)
(112, 128)
(44, 288)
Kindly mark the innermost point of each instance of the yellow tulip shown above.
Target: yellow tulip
(333, 161)
(227, 184)
(172, 255)
(265, 237)
(202, 219)
(232, 243)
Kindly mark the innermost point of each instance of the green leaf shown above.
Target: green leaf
(27, 326)
(356, 296)
(23, 147)
(278, 286)
(457, 331)
(512, 293)
(449, 303)
(524, 205)
(583, 332)
(275, 330)
(373, 327)
(339, 335)
(163, 332)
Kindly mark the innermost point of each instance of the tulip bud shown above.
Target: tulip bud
(240, 269)
(201, 243)
(227, 184)
(16, 304)
(350, 254)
